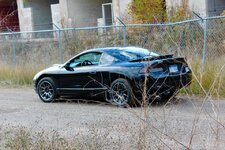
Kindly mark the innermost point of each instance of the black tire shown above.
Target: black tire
(46, 90)
(121, 93)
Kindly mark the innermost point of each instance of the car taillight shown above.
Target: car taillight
(186, 68)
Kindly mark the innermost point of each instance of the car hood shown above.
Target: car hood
(51, 70)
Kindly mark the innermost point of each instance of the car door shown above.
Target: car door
(83, 77)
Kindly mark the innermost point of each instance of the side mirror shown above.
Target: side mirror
(67, 67)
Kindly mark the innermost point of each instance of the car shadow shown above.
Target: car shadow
(102, 102)
(83, 101)
(171, 102)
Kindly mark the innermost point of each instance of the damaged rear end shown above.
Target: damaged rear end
(164, 75)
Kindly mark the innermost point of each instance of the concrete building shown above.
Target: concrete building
(41, 14)
(29, 15)
(202, 7)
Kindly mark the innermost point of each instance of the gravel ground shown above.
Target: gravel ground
(183, 119)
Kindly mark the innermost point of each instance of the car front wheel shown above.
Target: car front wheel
(46, 90)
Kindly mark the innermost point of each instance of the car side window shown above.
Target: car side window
(88, 59)
(107, 59)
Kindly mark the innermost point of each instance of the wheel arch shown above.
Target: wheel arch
(45, 76)
(115, 76)
(132, 81)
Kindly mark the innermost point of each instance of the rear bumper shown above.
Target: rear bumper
(163, 85)
(178, 81)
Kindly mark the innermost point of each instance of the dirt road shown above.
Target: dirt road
(180, 119)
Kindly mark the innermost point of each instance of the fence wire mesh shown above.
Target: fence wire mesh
(197, 39)
(77, 40)
(215, 38)
(176, 39)
(28, 48)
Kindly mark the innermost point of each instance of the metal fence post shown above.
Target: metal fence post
(204, 21)
(205, 42)
(59, 43)
(124, 32)
(14, 49)
(60, 46)
(124, 36)
(13, 46)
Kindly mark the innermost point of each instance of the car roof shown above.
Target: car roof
(115, 49)
(134, 49)
(137, 50)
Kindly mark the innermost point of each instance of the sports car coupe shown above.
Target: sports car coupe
(123, 76)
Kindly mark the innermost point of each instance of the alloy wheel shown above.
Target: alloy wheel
(120, 94)
(46, 91)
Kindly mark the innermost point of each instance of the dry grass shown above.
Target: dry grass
(99, 136)
(123, 136)
(208, 80)
(17, 75)
(138, 132)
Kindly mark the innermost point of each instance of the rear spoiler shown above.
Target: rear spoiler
(150, 58)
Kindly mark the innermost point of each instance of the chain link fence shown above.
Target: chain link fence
(201, 39)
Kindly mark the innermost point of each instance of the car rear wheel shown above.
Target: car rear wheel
(46, 90)
(121, 93)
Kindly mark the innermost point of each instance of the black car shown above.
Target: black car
(123, 76)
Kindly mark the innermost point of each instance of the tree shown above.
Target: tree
(155, 11)
(148, 11)
(180, 12)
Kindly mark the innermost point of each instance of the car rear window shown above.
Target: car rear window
(123, 55)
